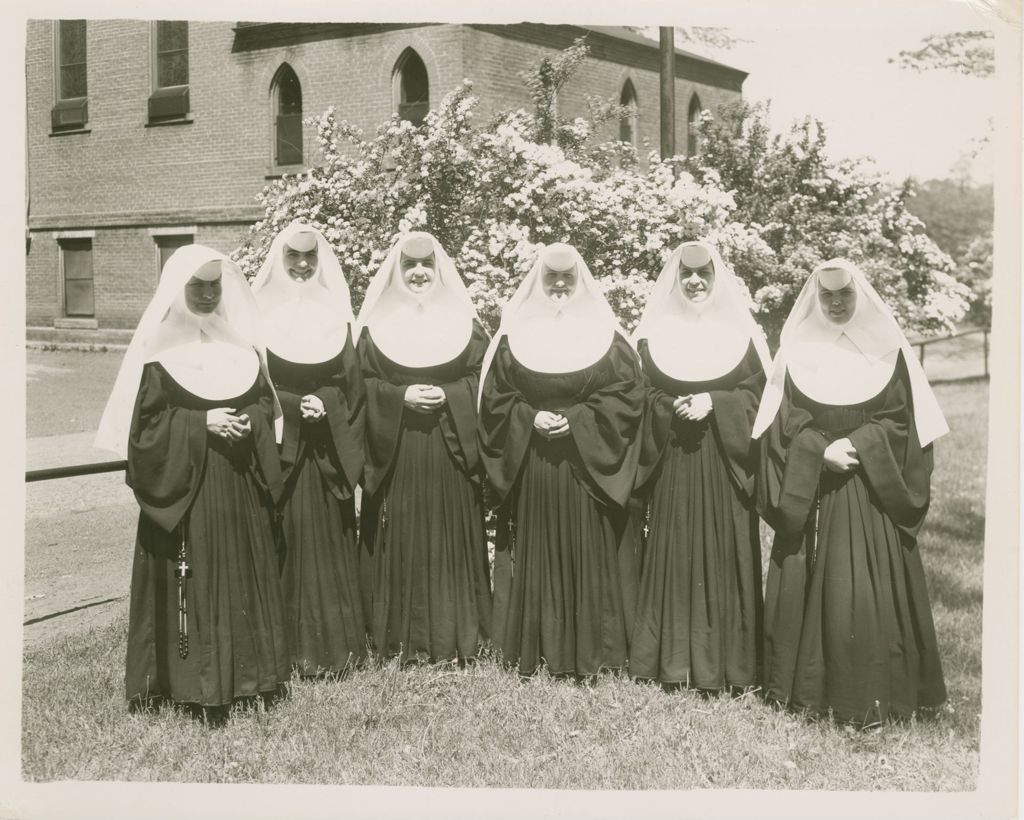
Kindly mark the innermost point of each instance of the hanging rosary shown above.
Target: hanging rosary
(182, 571)
(812, 552)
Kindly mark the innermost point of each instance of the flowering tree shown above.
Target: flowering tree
(808, 208)
(971, 53)
(492, 194)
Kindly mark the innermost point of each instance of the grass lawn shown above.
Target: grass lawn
(482, 726)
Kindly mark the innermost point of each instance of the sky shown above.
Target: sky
(836, 69)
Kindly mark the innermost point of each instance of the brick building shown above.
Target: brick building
(145, 135)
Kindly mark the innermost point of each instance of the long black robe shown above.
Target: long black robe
(699, 609)
(423, 558)
(218, 496)
(322, 462)
(564, 578)
(848, 626)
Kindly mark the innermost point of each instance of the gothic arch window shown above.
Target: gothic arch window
(692, 124)
(411, 87)
(628, 125)
(286, 100)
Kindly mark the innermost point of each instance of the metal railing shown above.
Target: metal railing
(923, 343)
(75, 470)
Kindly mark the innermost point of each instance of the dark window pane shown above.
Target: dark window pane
(692, 137)
(289, 93)
(171, 54)
(71, 52)
(72, 81)
(289, 139)
(72, 41)
(288, 124)
(168, 245)
(627, 125)
(626, 129)
(415, 88)
(78, 284)
(171, 36)
(172, 69)
(78, 298)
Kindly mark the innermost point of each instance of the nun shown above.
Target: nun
(196, 416)
(425, 574)
(560, 410)
(699, 609)
(846, 426)
(307, 319)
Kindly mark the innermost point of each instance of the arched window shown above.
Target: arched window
(627, 125)
(411, 88)
(692, 124)
(286, 94)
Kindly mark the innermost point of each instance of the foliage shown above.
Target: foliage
(955, 212)
(808, 208)
(958, 216)
(975, 271)
(492, 194)
(971, 53)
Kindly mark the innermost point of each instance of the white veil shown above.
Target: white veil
(303, 322)
(698, 341)
(556, 337)
(417, 330)
(216, 357)
(846, 363)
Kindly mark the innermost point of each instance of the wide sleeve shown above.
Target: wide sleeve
(266, 465)
(459, 419)
(291, 443)
(655, 425)
(792, 454)
(506, 424)
(893, 462)
(385, 403)
(166, 452)
(605, 426)
(344, 399)
(732, 417)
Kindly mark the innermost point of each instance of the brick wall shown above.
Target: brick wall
(495, 63)
(123, 176)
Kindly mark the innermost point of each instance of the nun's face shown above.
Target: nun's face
(697, 283)
(202, 295)
(559, 284)
(418, 274)
(300, 265)
(838, 305)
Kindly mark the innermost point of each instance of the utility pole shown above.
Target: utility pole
(668, 95)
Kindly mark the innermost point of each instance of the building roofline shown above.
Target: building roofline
(619, 45)
(611, 43)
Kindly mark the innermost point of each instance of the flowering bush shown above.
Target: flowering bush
(808, 208)
(493, 194)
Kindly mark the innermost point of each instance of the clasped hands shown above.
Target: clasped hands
(692, 408)
(311, 408)
(841, 456)
(424, 398)
(551, 425)
(223, 422)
